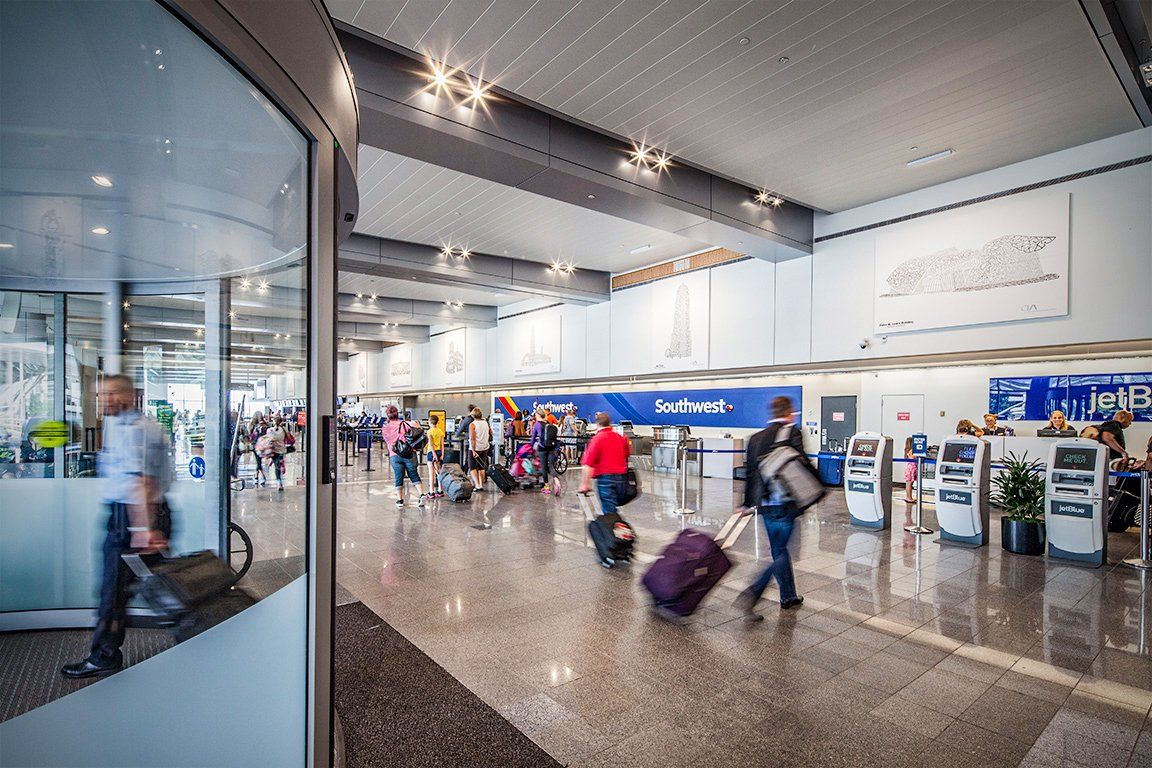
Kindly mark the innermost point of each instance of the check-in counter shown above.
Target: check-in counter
(1034, 447)
(723, 464)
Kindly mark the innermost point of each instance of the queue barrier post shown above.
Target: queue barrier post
(347, 463)
(368, 450)
(682, 458)
(919, 528)
(1144, 562)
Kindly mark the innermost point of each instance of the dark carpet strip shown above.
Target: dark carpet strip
(30, 672)
(399, 707)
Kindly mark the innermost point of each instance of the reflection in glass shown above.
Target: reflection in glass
(153, 223)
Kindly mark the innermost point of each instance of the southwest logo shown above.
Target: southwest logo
(686, 405)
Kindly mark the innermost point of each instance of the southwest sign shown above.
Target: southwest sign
(741, 408)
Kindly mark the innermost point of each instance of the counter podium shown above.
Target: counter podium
(868, 480)
(963, 478)
(1074, 494)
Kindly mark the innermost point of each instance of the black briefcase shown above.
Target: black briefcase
(190, 593)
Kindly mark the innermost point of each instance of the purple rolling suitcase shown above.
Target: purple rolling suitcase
(691, 565)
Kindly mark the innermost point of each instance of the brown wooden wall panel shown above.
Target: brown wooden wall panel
(676, 267)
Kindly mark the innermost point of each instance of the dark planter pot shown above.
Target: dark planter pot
(1022, 537)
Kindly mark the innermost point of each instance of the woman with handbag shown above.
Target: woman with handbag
(402, 455)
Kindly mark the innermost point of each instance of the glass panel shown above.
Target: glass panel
(134, 159)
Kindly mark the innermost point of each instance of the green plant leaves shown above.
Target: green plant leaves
(1018, 490)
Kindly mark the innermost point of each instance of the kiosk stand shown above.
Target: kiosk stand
(963, 472)
(868, 480)
(496, 422)
(1074, 494)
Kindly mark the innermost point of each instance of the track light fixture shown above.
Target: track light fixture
(458, 253)
(763, 197)
(562, 267)
(649, 158)
(443, 79)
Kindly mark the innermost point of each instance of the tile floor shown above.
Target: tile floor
(905, 653)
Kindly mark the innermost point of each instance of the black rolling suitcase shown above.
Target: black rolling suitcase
(610, 533)
(190, 593)
(502, 477)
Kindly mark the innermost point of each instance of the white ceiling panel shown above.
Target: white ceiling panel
(397, 288)
(825, 100)
(405, 199)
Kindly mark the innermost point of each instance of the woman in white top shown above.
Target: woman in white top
(480, 443)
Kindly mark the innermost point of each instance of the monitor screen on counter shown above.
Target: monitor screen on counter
(865, 448)
(1075, 458)
(959, 453)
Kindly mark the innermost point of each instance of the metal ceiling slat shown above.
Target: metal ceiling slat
(579, 27)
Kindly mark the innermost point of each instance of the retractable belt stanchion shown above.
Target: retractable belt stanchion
(919, 527)
(347, 463)
(368, 450)
(682, 457)
(1144, 562)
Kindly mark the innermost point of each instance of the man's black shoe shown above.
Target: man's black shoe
(795, 602)
(86, 668)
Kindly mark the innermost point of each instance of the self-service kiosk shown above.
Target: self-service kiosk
(1074, 495)
(963, 476)
(496, 421)
(868, 480)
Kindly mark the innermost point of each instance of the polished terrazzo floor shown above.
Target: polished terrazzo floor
(905, 653)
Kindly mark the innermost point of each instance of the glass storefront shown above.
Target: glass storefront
(154, 223)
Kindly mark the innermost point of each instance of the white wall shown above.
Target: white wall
(1110, 291)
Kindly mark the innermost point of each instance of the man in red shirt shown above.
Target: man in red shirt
(606, 460)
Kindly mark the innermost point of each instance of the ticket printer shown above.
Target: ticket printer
(868, 480)
(1074, 501)
(963, 477)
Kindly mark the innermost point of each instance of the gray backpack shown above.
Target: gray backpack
(790, 470)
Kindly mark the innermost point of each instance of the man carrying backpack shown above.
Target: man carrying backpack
(546, 442)
(776, 508)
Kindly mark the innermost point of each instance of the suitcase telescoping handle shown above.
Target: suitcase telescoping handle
(732, 529)
(587, 504)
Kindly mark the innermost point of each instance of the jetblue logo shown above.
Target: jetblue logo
(1071, 509)
(686, 405)
(856, 485)
(956, 498)
(1130, 398)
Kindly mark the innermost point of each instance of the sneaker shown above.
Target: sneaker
(420, 501)
(280, 486)
(399, 503)
(795, 602)
(607, 562)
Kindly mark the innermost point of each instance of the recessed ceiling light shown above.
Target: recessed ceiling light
(158, 51)
(641, 248)
(744, 41)
(783, 60)
(591, 197)
(99, 230)
(929, 158)
(6, 245)
(913, 149)
(101, 181)
(159, 66)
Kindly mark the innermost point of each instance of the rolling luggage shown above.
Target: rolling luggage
(830, 466)
(610, 533)
(502, 477)
(191, 593)
(691, 565)
(455, 483)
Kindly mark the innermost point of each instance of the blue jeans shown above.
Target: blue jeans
(402, 466)
(778, 522)
(609, 488)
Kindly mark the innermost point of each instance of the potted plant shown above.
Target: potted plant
(1018, 493)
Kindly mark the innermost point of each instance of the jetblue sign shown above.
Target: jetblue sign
(956, 497)
(1071, 509)
(1090, 398)
(861, 487)
(740, 408)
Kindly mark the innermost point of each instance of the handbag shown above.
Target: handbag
(791, 470)
(631, 488)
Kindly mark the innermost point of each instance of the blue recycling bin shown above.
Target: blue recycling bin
(830, 467)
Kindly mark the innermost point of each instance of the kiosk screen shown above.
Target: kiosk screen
(959, 453)
(1075, 458)
(865, 448)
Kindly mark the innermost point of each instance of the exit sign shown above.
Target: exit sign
(903, 416)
